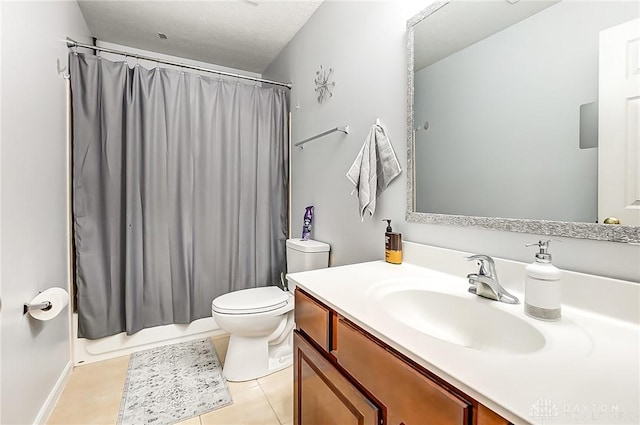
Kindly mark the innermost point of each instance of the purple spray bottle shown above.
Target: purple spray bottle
(306, 227)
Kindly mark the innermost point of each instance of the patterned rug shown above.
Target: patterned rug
(169, 384)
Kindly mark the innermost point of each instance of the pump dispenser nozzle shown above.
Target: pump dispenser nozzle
(389, 229)
(543, 255)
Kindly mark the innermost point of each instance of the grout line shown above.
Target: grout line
(248, 386)
(269, 401)
(270, 405)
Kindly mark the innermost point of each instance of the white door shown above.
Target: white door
(618, 125)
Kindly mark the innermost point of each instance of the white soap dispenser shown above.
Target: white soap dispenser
(542, 290)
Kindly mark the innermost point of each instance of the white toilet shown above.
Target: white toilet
(260, 320)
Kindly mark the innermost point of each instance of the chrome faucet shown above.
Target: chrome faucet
(485, 282)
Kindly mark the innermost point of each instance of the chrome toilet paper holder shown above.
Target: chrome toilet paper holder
(44, 306)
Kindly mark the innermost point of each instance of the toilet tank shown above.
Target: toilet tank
(306, 255)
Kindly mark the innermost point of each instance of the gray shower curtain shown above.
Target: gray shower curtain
(179, 192)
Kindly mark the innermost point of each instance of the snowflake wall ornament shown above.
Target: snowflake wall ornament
(323, 86)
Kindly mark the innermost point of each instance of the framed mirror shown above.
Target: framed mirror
(523, 116)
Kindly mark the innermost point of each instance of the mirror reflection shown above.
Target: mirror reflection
(508, 111)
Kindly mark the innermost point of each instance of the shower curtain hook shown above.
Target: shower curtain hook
(62, 69)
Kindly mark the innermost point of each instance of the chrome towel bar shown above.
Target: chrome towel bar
(344, 129)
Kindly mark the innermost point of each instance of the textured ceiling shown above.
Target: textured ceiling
(242, 34)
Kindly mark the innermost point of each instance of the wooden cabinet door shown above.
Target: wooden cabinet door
(322, 396)
(313, 319)
(485, 416)
(410, 397)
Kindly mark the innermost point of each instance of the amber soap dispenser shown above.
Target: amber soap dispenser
(392, 245)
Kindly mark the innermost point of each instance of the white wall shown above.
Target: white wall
(364, 42)
(34, 200)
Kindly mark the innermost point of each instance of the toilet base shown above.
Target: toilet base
(252, 358)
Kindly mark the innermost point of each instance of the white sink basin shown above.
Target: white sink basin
(472, 322)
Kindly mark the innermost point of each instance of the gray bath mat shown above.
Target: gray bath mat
(169, 384)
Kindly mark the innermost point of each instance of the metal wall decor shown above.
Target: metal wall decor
(323, 86)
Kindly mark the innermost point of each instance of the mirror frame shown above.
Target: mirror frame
(593, 231)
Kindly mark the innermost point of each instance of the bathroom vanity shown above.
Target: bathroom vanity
(377, 343)
(347, 374)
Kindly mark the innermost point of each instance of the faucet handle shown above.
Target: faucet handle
(481, 258)
(486, 263)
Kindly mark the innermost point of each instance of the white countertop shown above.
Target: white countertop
(587, 372)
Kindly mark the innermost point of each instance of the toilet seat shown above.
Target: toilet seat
(253, 300)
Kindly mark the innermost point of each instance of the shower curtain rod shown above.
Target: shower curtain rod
(72, 43)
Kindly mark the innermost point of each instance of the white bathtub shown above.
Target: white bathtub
(89, 351)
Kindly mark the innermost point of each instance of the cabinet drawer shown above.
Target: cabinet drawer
(322, 396)
(486, 416)
(410, 397)
(313, 319)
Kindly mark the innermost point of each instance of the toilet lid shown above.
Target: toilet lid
(253, 300)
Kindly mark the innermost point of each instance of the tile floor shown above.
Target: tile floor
(93, 394)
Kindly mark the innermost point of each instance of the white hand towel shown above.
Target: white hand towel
(373, 169)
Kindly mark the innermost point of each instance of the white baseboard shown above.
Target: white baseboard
(54, 396)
